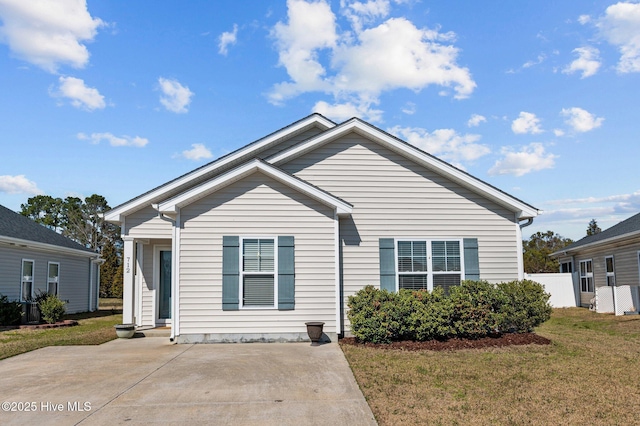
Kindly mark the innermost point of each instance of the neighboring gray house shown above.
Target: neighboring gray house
(610, 257)
(34, 258)
(283, 230)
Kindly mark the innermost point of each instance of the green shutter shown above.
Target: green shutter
(387, 264)
(471, 263)
(286, 274)
(230, 273)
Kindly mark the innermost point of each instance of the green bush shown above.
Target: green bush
(472, 310)
(526, 305)
(52, 309)
(10, 312)
(476, 309)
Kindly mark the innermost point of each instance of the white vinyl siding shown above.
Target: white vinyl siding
(75, 272)
(395, 198)
(53, 278)
(145, 223)
(256, 206)
(26, 280)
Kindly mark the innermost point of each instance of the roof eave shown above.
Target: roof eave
(19, 242)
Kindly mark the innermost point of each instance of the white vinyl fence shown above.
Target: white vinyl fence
(617, 300)
(560, 286)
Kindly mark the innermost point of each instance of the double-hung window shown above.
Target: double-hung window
(426, 264)
(26, 286)
(258, 273)
(53, 277)
(586, 276)
(610, 271)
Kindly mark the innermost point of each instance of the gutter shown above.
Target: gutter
(174, 301)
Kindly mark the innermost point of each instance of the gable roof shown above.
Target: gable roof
(20, 230)
(197, 177)
(407, 150)
(625, 229)
(208, 170)
(171, 206)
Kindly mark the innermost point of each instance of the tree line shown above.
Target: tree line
(541, 244)
(81, 220)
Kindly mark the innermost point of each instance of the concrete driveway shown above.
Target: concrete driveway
(150, 380)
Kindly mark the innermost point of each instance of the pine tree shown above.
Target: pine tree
(593, 228)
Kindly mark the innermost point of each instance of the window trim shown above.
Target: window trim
(57, 277)
(638, 256)
(588, 275)
(611, 274)
(429, 272)
(22, 280)
(242, 273)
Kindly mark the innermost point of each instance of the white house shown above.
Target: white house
(254, 244)
(36, 259)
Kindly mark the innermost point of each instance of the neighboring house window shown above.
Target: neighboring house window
(566, 267)
(53, 277)
(26, 287)
(426, 264)
(586, 276)
(259, 272)
(610, 271)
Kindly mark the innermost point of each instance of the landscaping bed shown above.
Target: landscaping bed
(504, 340)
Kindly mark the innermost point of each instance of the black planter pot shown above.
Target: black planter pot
(314, 330)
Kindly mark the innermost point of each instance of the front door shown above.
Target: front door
(164, 286)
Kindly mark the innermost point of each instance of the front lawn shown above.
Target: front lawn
(589, 375)
(94, 328)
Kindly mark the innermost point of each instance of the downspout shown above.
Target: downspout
(174, 315)
(519, 244)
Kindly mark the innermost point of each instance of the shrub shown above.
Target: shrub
(525, 305)
(431, 317)
(10, 312)
(476, 309)
(52, 309)
(473, 309)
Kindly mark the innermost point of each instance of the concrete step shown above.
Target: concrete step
(154, 332)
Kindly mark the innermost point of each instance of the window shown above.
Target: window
(566, 267)
(52, 278)
(259, 284)
(586, 276)
(425, 264)
(26, 286)
(610, 271)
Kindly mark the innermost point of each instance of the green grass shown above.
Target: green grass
(94, 328)
(589, 374)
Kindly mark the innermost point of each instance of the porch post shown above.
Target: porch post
(128, 276)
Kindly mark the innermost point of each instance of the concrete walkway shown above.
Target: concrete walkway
(149, 380)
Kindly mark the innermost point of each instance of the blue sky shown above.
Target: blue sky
(537, 98)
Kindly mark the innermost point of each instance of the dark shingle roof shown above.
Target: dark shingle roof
(15, 225)
(625, 227)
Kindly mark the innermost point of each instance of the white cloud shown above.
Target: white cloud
(347, 110)
(588, 62)
(96, 138)
(540, 59)
(197, 152)
(79, 94)
(475, 120)
(176, 97)
(526, 122)
(409, 108)
(581, 120)
(18, 184)
(620, 26)
(531, 158)
(584, 19)
(444, 143)
(558, 132)
(363, 62)
(227, 39)
(48, 33)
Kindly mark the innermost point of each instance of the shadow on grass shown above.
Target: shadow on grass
(95, 314)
